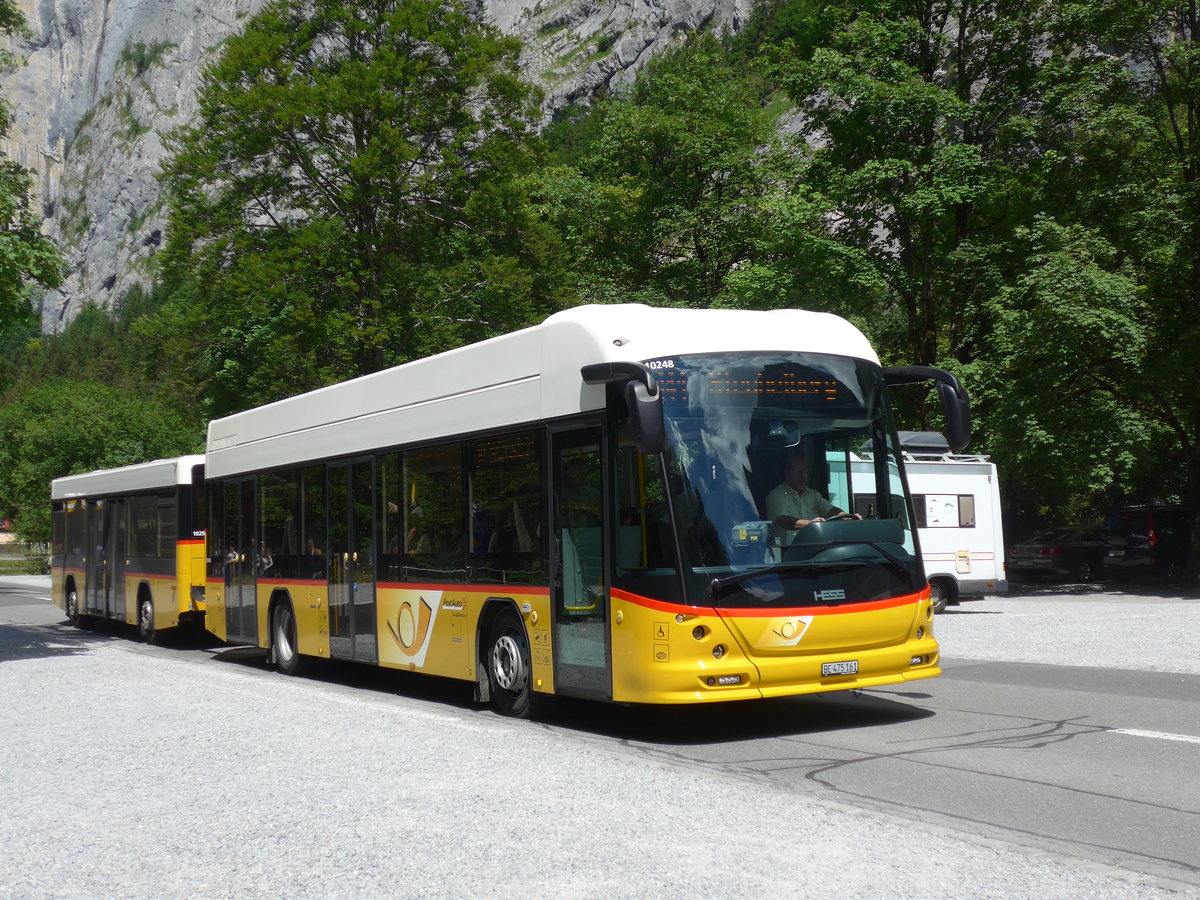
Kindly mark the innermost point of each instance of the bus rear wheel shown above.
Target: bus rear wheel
(145, 622)
(284, 644)
(508, 667)
(73, 607)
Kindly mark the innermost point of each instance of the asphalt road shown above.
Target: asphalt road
(1001, 778)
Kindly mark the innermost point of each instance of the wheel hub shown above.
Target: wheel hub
(508, 664)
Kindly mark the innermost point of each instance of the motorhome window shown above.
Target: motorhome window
(966, 511)
(944, 510)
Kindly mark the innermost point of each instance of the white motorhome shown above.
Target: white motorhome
(956, 501)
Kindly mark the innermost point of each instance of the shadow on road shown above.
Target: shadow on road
(748, 720)
(674, 725)
(43, 641)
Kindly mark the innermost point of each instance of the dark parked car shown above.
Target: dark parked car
(1072, 552)
(1147, 540)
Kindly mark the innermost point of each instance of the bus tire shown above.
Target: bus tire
(145, 620)
(942, 593)
(508, 666)
(72, 606)
(284, 643)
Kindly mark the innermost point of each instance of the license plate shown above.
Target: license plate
(1116, 552)
(849, 667)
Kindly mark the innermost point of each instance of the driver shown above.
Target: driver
(794, 505)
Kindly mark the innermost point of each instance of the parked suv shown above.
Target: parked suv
(1147, 540)
(1075, 552)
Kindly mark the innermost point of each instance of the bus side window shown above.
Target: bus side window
(507, 499)
(644, 540)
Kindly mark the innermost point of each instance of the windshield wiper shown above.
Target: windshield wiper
(893, 562)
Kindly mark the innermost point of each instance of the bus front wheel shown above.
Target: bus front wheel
(508, 666)
(73, 607)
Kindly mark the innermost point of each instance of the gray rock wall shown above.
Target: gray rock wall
(106, 80)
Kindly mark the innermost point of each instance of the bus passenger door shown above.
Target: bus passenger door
(580, 590)
(117, 558)
(96, 569)
(352, 561)
(240, 549)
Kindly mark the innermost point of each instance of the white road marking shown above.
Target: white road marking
(1160, 735)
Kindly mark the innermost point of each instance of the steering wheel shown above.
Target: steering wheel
(840, 516)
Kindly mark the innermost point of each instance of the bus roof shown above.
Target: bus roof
(150, 476)
(522, 377)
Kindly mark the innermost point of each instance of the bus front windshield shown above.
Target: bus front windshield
(784, 481)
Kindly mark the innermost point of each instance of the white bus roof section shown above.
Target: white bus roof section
(151, 476)
(518, 378)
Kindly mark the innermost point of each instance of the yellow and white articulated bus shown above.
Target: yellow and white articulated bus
(127, 547)
(581, 508)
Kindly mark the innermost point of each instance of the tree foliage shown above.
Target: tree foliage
(63, 427)
(26, 256)
(1005, 188)
(345, 200)
(685, 195)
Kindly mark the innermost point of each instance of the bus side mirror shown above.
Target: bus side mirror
(641, 396)
(956, 405)
(646, 416)
(957, 410)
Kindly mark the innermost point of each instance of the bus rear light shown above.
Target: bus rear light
(699, 632)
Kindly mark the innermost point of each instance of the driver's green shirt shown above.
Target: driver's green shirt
(785, 501)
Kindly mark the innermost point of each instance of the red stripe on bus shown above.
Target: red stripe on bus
(467, 588)
(772, 612)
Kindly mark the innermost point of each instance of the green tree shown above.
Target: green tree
(1123, 163)
(346, 198)
(682, 193)
(26, 256)
(918, 109)
(65, 427)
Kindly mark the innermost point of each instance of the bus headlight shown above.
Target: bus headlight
(718, 651)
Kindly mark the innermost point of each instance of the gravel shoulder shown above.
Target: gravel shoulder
(1145, 628)
(129, 772)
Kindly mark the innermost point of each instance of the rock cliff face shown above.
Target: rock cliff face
(106, 80)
